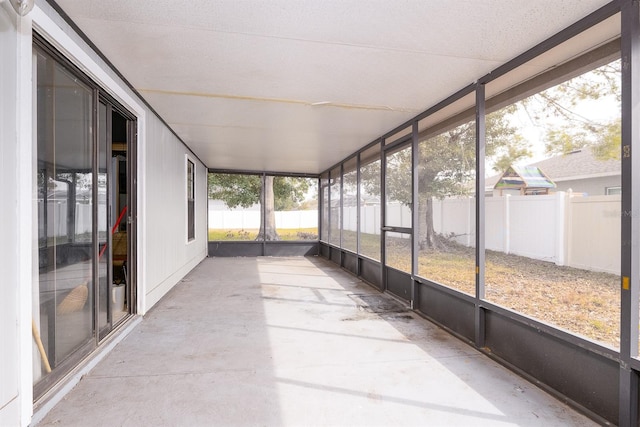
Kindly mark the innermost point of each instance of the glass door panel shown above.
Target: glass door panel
(104, 246)
(84, 189)
(64, 299)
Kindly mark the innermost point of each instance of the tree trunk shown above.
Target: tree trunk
(431, 232)
(422, 223)
(426, 232)
(267, 205)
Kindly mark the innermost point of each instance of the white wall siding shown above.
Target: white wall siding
(164, 256)
(168, 255)
(16, 257)
(161, 173)
(9, 349)
(589, 186)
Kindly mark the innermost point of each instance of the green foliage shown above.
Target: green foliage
(398, 176)
(604, 141)
(609, 142)
(235, 190)
(511, 154)
(238, 190)
(370, 178)
(447, 160)
(290, 192)
(505, 146)
(570, 128)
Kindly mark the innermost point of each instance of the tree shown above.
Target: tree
(446, 168)
(447, 165)
(280, 193)
(444, 159)
(568, 125)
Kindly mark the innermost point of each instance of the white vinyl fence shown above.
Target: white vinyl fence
(57, 214)
(566, 229)
(245, 219)
(573, 230)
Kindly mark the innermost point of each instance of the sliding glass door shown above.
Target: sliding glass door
(82, 184)
(64, 320)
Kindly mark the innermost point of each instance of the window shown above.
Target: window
(191, 195)
(611, 191)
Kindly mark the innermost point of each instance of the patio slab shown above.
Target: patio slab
(296, 342)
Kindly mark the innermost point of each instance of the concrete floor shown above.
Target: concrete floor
(296, 342)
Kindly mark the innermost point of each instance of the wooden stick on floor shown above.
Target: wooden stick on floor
(43, 354)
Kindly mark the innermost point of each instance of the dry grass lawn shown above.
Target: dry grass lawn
(583, 302)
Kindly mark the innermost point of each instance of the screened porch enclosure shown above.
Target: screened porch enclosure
(293, 203)
(530, 272)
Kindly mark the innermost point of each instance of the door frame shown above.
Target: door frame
(405, 289)
(131, 171)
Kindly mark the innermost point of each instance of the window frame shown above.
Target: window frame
(190, 202)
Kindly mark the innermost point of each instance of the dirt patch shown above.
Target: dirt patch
(378, 304)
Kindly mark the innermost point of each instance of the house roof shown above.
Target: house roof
(578, 164)
(524, 177)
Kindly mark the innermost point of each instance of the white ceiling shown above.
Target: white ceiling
(297, 86)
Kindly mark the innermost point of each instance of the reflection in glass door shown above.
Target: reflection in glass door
(63, 323)
(104, 252)
(83, 196)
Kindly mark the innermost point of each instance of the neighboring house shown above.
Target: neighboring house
(579, 171)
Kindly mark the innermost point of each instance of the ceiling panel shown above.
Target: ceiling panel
(296, 86)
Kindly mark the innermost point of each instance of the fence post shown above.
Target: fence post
(507, 224)
(568, 226)
(560, 227)
(471, 207)
(442, 214)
